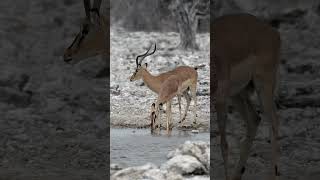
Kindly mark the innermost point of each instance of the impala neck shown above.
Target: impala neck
(151, 81)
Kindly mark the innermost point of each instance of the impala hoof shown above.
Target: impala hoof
(171, 126)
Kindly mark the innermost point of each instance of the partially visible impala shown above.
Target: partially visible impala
(245, 52)
(93, 38)
(187, 74)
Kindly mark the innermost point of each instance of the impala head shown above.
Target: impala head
(90, 40)
(140, 67)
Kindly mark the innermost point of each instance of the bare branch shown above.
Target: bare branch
(200, 15)
(194, 6)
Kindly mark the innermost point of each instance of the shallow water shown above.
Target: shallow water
(132, 147)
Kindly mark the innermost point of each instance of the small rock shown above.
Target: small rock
(115, 167)
(198, 149)
(21, 137)
(174, 176)
(184, 164)
(155, 174)
(195, 131)
(135, 172)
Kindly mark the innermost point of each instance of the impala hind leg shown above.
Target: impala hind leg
(194, 97)
(188, 99)
(179, 102)
(252, 120)
(221, 108)
(265, 84)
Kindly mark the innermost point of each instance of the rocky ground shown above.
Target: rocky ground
(134, 99)
(190, 160)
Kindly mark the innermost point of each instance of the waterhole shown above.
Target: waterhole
(134, 147)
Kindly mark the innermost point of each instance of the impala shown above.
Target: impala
(246, 55)
(93, 38)
(188, 74)
(175, 85)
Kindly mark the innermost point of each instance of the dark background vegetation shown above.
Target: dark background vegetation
(146, 15)
(53, 122)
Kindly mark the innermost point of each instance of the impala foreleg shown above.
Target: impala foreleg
(153, 118)
(156, 115)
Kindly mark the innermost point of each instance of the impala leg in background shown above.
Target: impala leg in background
(265, 84)
(158, 110)
(188, 99)
(193, 89)
(169, 115)
(179, 102)
(249, 115)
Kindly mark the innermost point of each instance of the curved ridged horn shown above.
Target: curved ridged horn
(146, 54)
(142, 56)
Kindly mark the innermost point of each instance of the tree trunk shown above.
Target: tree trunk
(187, 23)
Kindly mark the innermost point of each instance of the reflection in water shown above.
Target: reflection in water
(131, 147)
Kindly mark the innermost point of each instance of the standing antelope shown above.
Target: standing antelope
(246, 55)
(188, 74)
(93, 38)
(175, 85)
